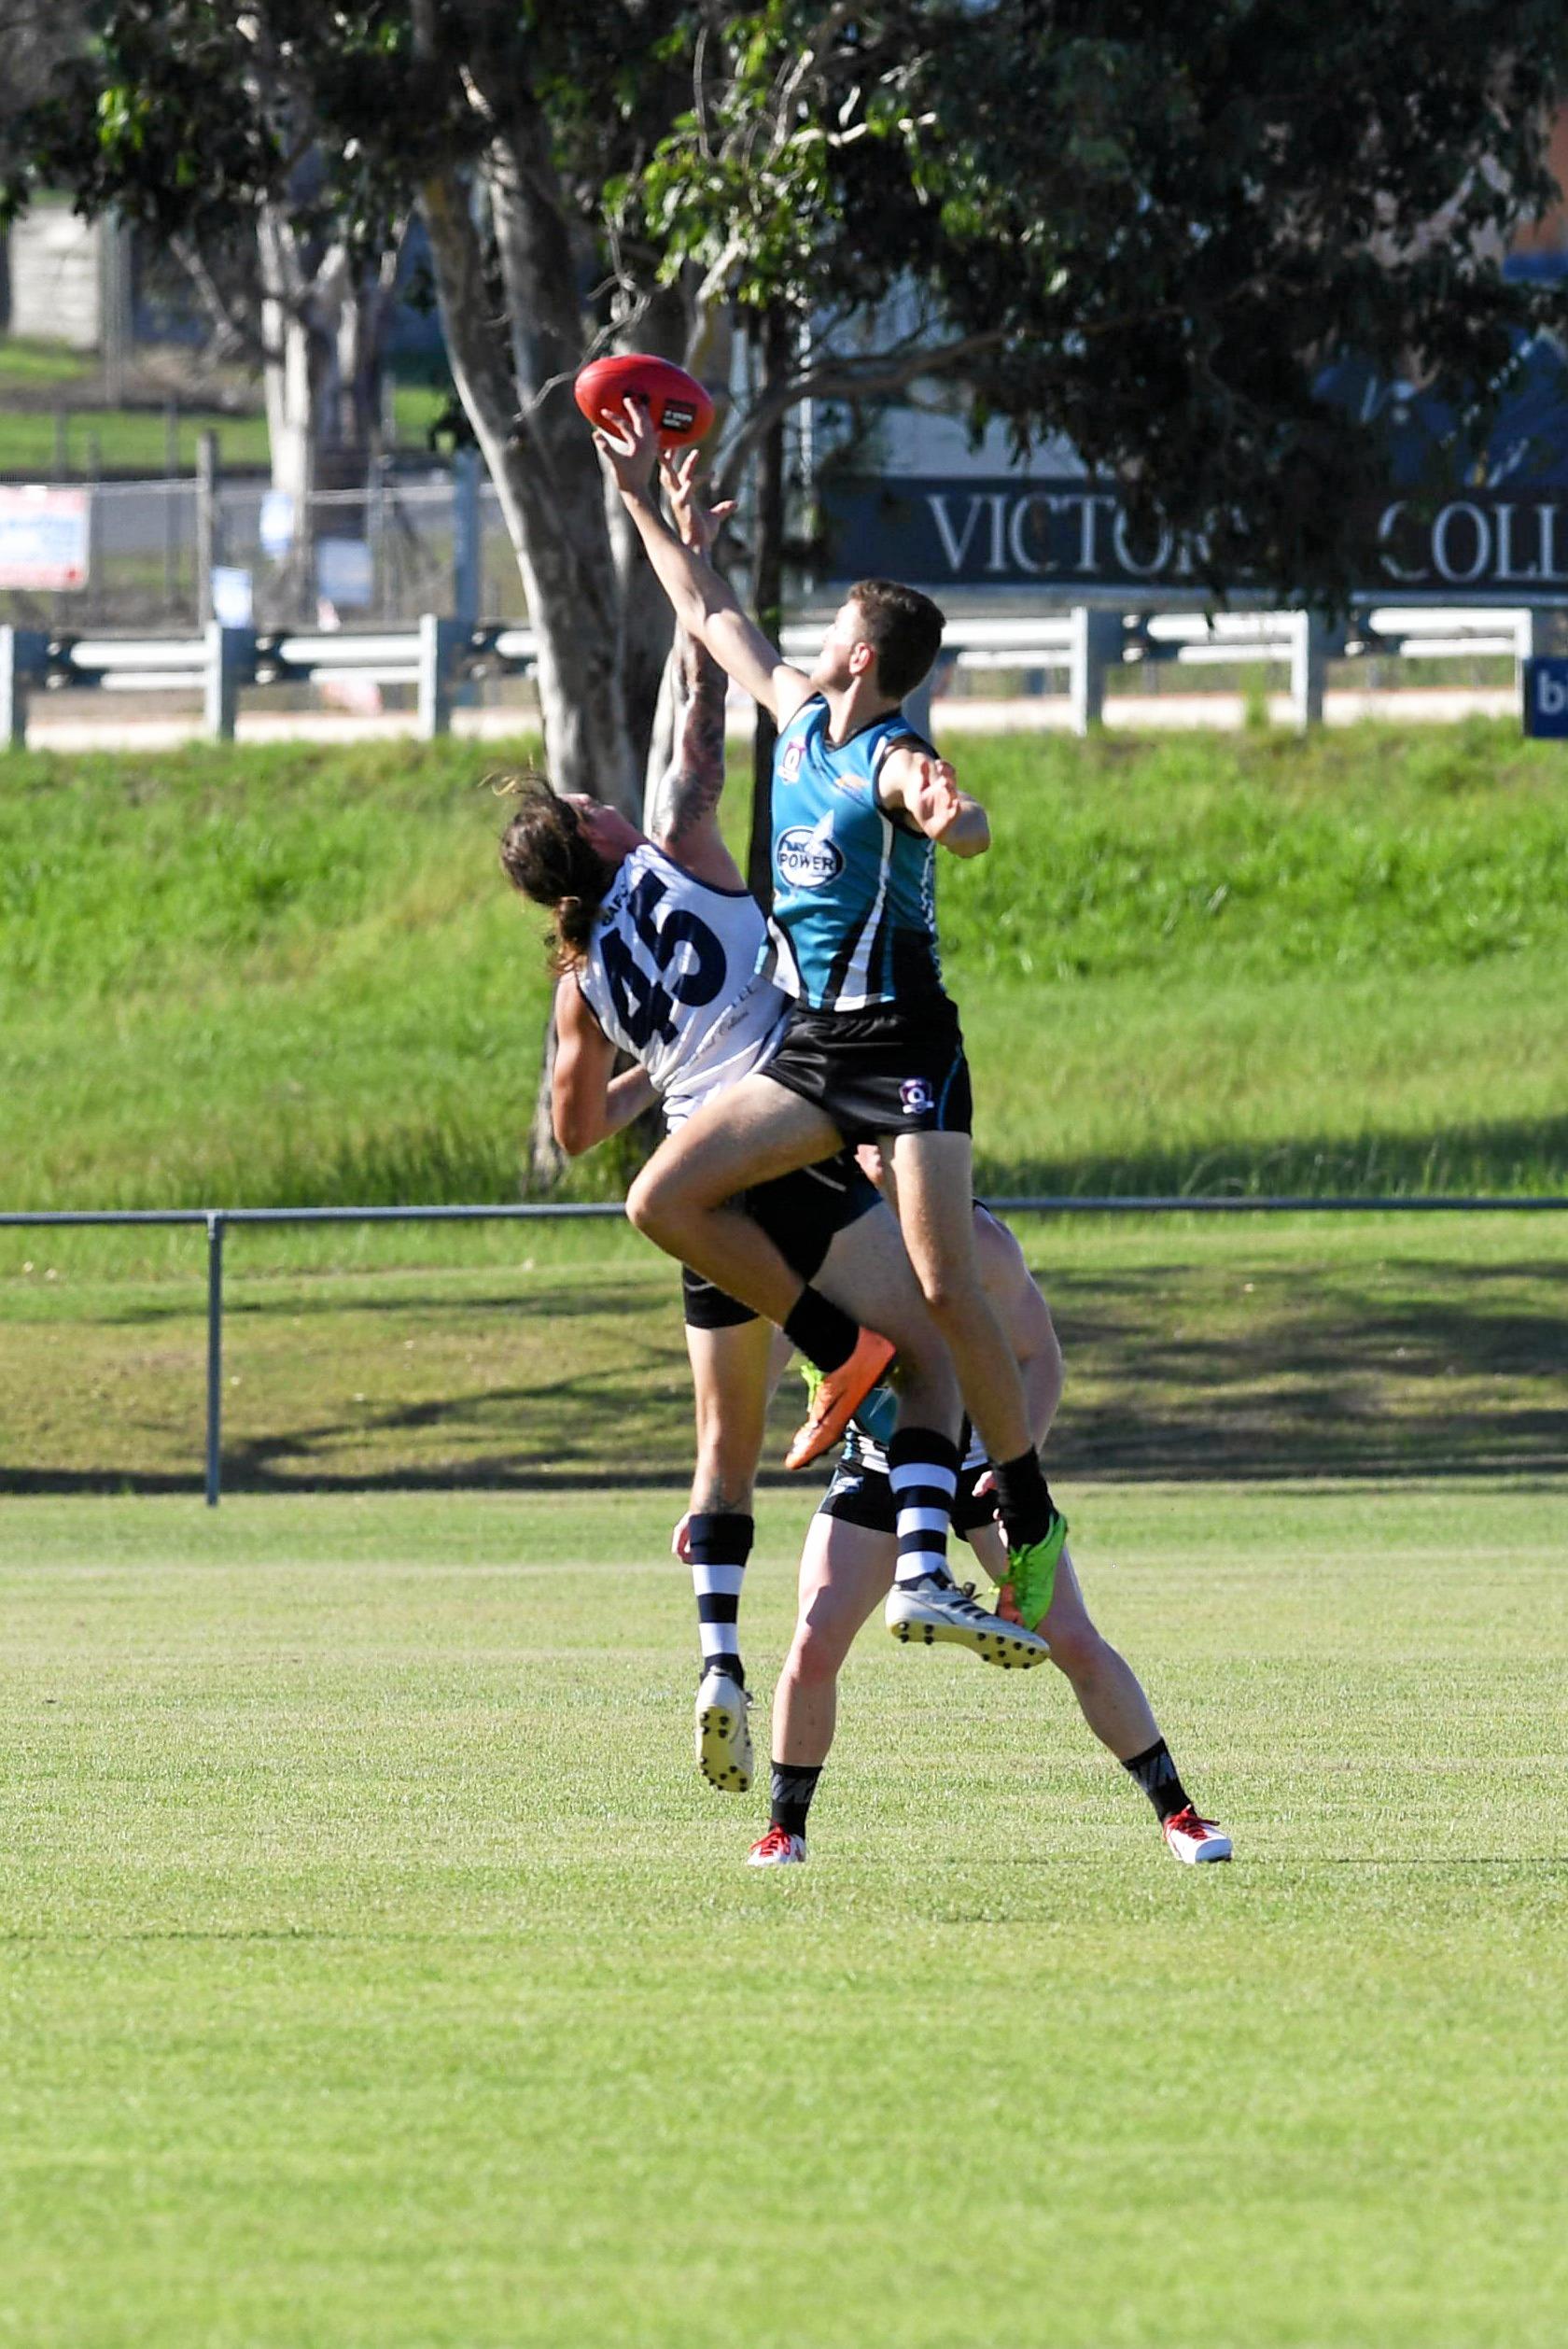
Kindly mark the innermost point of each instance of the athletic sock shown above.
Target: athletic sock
(719, 1544)
(1024, 1500)
(923, 1471)
(793, 1786)
(824, 1334)
(1156, 1773)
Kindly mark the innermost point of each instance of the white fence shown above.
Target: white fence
(437, 655)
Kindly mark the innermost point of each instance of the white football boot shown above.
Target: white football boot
(777, 1849)
(1194, 1839)
(722, 1732)
(934, 1608)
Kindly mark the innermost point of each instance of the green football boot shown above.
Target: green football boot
(1031, 1573)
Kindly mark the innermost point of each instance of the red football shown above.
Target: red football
(681, 410)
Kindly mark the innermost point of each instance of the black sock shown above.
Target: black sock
(1023, 1500)
(793, 1786)
(719, 1544)
(1156, 1773)
(824, 1335)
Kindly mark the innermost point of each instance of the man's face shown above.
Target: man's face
(845, 653)
(610, 834)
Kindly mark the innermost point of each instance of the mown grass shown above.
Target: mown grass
(294, 976)
(377, 1971)
(1409, 1348)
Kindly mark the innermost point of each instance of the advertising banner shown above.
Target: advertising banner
(43, 537)
(1073, 534)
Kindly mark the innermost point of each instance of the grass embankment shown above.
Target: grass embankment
(48, 409)
(295, 976)
(377, 1971)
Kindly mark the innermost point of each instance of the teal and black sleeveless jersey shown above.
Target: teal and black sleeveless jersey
(854, 908)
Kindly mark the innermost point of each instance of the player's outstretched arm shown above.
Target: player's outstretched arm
(683, 819)
(588, 1102)
(925, 790)
(705, 604)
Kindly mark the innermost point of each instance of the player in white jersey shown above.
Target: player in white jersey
(848, 1560)
(662, 956)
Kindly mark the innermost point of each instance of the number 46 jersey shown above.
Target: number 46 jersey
(678, 973)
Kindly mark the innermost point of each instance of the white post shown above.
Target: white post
(1532, 638)
(1309, 663)
(438, 642)
(1094, 643)
(22, 657)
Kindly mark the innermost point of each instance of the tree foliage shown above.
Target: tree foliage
(1147, 229)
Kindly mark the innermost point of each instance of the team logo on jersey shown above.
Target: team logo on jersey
(791, 761)
(915, 1095)
(808, 858)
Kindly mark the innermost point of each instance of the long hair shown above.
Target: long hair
(546, 854)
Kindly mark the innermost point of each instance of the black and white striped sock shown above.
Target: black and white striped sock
(923, 1471)
(720, 1543)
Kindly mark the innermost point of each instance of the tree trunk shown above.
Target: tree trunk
(767, 595)
(547, 479)
(288, 395)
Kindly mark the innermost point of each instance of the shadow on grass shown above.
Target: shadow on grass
(1232, 1367)
(1519, 1154)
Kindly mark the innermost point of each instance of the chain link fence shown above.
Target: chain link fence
(165, 555)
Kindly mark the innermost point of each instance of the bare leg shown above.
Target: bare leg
(749, 1133)
(867, 1271)
(1109, 1692)
(932, 1176)
(846, 1572)
(731, 1381)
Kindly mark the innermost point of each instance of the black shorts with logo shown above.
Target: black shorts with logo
(891, 1070)
(802, 1213)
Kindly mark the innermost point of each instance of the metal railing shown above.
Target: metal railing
(440, 654)
(216, 1221)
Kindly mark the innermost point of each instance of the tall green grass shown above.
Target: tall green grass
(296, 974)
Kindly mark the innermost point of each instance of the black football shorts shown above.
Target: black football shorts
(802, 1213)
(890, 1071)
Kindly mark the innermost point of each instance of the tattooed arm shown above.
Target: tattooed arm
(684, 818)
(683, 814)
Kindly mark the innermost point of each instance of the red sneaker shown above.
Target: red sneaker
(777, 1849)
(1193, 1839)
(836, 1396)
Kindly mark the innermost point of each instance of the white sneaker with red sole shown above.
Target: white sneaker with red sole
(777, 1849)
(1194, 1839)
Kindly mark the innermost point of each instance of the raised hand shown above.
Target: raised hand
(632, 450)
(698, 523)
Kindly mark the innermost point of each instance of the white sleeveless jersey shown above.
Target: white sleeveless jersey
(678, 973)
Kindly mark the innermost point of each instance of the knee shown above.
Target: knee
(1077, 1650)
(648, 1202)
(949, 1298)
(814, 1661)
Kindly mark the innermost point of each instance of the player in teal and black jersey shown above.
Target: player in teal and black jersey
(873, 1051)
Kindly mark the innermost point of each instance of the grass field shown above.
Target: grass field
(1408, 1347)
(377, 1971)
(296, 975)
